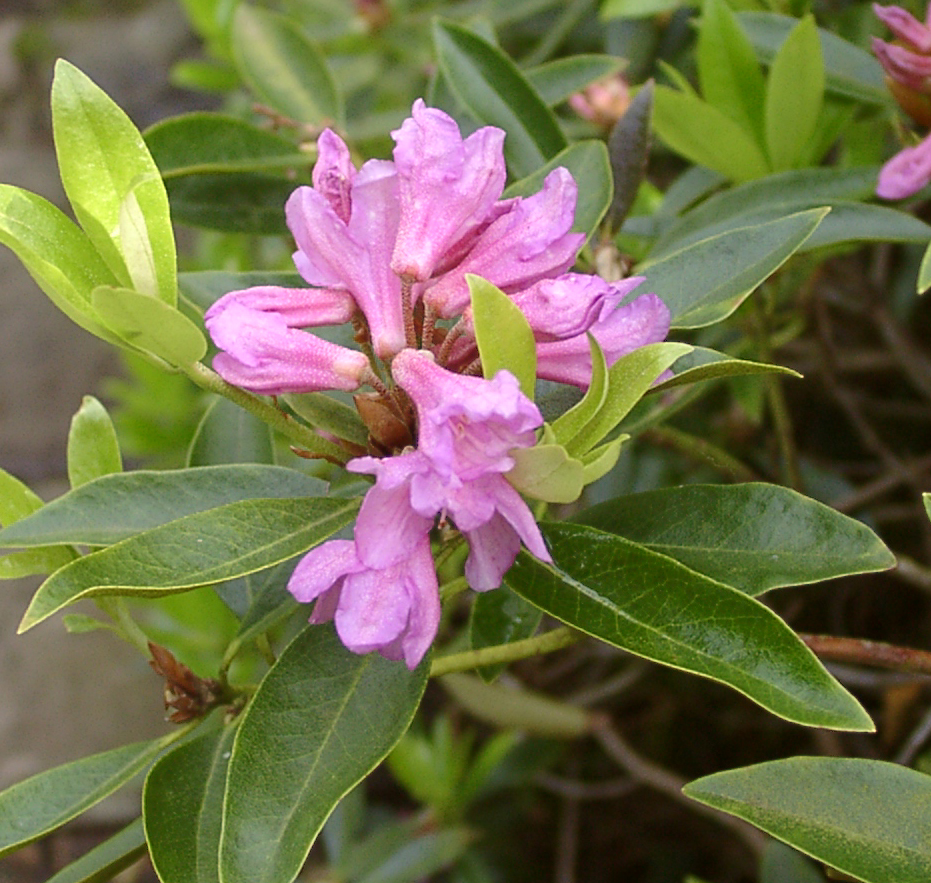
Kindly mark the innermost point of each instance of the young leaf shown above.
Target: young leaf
(504, 338)
(93, 448)
(547, 472)
(44, 802)
(496, 93)
(104, 862)
(705, 364)
(182, 806)
(103, 159)
(866, 818)
(118, 506)
(150, 325)
(569, 425)
(794, 95)
(322, 719)
(197, 550)
(751, 536)
(228, 434)
(648, 604)
(284, 69)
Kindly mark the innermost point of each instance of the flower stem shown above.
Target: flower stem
(407, 310)
(303, 436)
(545, 643)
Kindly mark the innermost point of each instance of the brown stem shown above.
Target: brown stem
(874, 653)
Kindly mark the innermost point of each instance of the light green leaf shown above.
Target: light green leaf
(150, 325)
(93, 448)
(706, 281)
(636, 8)
(706, 364)
(197, 550)
(546, 472)
(590, 167)
(648, 604)
(866, 818)
(44, 802)
(504, 338)
(496, 93)
(924, 272)
(327, 717)
(794, 95)
(229, 434)
(283, 67)
(182, 805)
(57, 254)
(568, 426)
(703, 134)
(103, 159)
(556, 80)
(601, 460)
(751, 536)
(104, 862)
(116, 507)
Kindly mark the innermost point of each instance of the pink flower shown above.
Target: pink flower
(905, 26)
(446, 187)
(529, 241)
(906, 173)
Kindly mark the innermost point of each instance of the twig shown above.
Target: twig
(873, 653)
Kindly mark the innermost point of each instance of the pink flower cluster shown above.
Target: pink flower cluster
(387, 247)
(907, 65)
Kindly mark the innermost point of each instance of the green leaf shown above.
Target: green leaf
(648, 604)
(496, 93)
(849, 70)
(500, 617)
(422, 856)
(567, 428)
(867, 818)
(182, 805)
(703, 134)
(924, 272)
(200, 143)
(546, 472)
(104, 862)
(103, 161)
(636, 8)
(197, 550)
(706, 281)
(57, 254)
(556, 80)
(504, 338)
(705, 364)
(17, 500)
(229, 434)
(283, 68)
(794, 95)
(44, 802)
(325, 412)
(629, 153)
(751, 536)
(589, 165)
(116, 507)
(93, 449)
(728, 70)
(782, 864)
(325, 717)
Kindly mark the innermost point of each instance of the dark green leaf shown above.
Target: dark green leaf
(104, 862)
(496, 93)
(115, 507)
(629, 151)
(182, 805)
(231, 203)
(44, 802)
(93, 449)
(322, 719)
(751, 536)
(867, 818)
(650, 605)
(423, 856)
(500, 617)
(228, 434)
(556, 80)
(197, 550)
(325, 412)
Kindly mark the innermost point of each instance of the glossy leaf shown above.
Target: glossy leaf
(283, 67)
(505, 340)
(500, 617)
(590, 167)
(556, 80)
(705, 364)
(57, 254)
(705, 282)
(752, 536)
(201, 143)
(116, 507)
(182, 805)
(93, 448)
(229, 434)
(728, 70)
(703, 134)
(44, 802)
(496, 93)
(867, 818)
(325, 717)
(197, 550)
(648, 604)
(105, 861)
(103, 161)
(794, 95)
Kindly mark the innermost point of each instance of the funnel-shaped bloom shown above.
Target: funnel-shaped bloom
(905, 26)
(907, 172)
